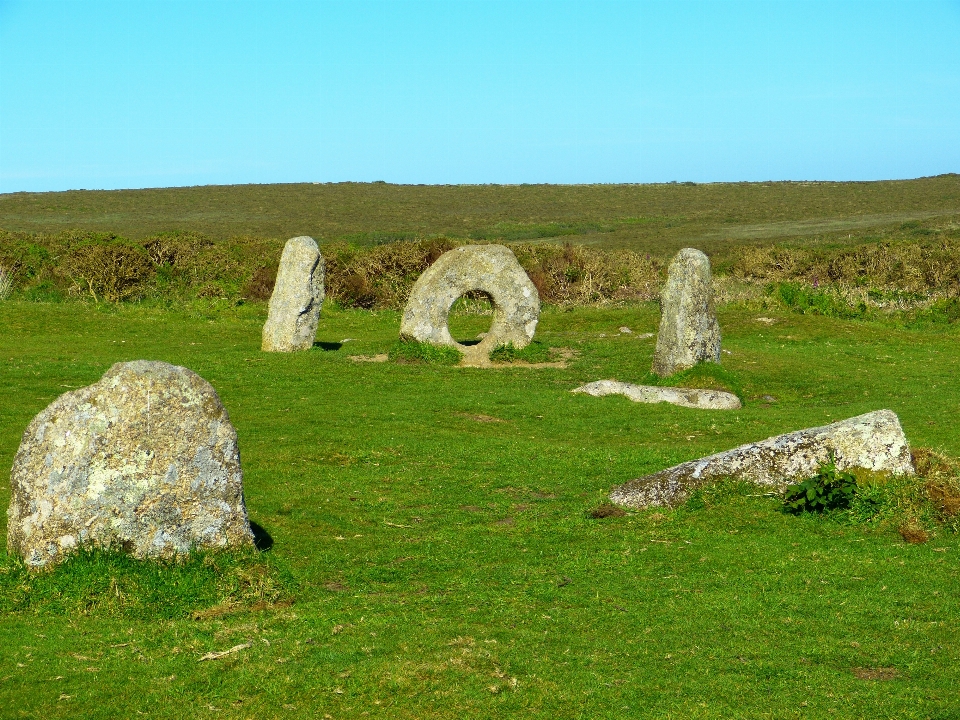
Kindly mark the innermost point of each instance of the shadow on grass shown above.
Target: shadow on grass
(262, 540)
(328, 346)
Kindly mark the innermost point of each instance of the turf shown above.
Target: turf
(433, 553)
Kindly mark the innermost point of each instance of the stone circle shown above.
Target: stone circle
(297, 298)
(145, 460)
(689, 332)
(874, 442)
(492, 269)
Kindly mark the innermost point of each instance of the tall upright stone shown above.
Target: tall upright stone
(689, 332)
(145, 460)
(297, 298)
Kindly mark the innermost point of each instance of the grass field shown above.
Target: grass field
(657, 219)
(432, 552)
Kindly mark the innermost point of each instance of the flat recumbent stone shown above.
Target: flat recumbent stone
(492, 269)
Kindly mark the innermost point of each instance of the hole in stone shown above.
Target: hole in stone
(470, 315)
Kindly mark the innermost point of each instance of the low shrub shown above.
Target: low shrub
(113, 271)
(918, 275)
(830, 489)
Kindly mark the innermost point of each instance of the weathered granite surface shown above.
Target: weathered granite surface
(873, 442)
(297, 298)
(684, 397)
(145, 460)
(492, 269)
(689, 332)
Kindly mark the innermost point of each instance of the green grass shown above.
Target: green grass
(433, 554)
(410, 351)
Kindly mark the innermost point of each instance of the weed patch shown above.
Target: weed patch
(410, 351)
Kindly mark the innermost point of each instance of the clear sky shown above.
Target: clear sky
(143, 93)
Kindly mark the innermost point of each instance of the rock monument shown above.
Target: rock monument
(689, 333)
(145, 460)
(873, 442)
(297, 298)
(492, 269)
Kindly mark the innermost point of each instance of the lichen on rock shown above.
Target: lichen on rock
(297, 298)
(689, 332)
(492, 269)
(145, 460)
(873, 442)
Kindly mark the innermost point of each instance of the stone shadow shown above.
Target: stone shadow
(262, 540)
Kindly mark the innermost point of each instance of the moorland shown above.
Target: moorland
(428, 545)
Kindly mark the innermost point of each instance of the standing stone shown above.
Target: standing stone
(145, 460)
(689, 332)
(492, 269)
(297, 298)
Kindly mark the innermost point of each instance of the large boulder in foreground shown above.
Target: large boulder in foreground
(689, 332)
(145, 460)
(873, 442)
(684, 397)
(297, 298)
(491, 269)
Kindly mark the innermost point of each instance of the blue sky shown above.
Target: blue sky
(150, 94)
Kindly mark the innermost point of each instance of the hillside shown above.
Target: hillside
(650, 218)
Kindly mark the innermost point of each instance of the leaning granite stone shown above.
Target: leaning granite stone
(492, 269)
(145, 460)
(684, 397)
(874, 442)
(689, 333)
(297, 298)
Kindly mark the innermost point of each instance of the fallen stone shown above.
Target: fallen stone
(874, 442)
(689, 332)
(684, 397)
(492, 269)
(145, 460)
(297, 298)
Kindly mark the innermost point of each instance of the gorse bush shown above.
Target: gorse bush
(112, 271)
(916, 266)
(917, 277)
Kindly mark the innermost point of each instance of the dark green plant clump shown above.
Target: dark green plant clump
(830, 489)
